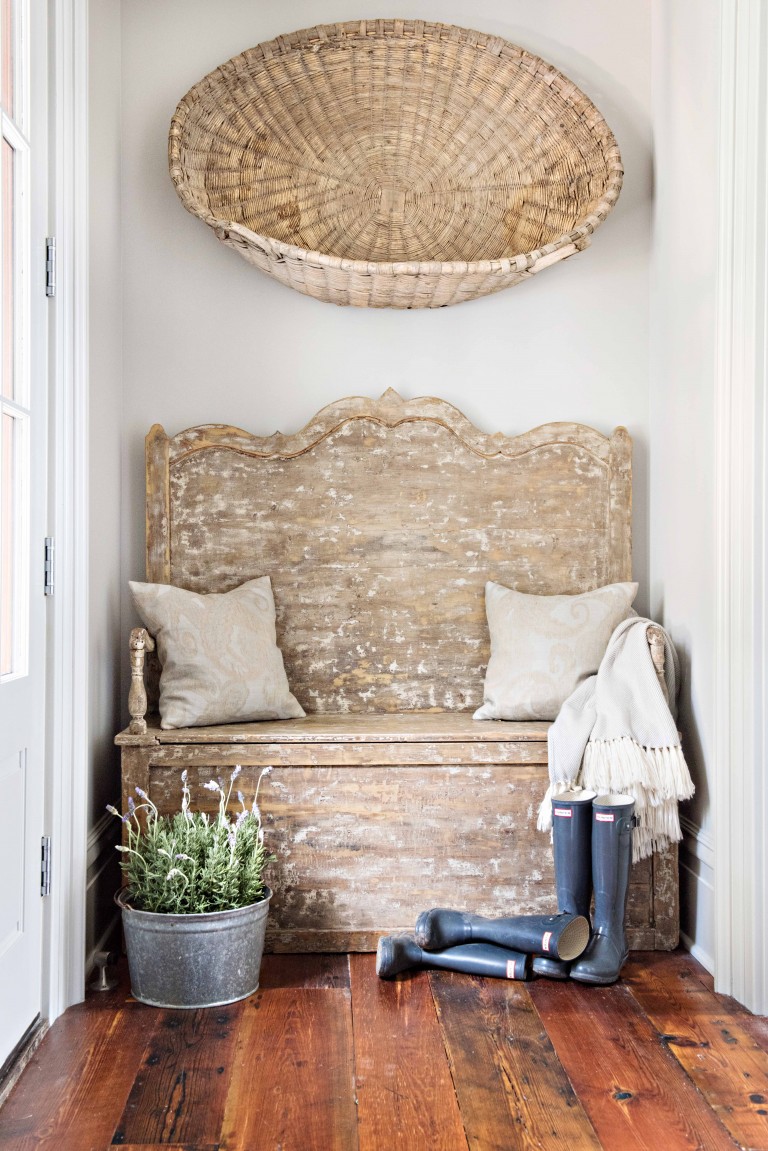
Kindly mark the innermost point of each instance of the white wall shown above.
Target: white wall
(209, 339)
(682, 404)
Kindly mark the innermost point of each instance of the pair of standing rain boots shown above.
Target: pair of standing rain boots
(592, 839)
(592, 842)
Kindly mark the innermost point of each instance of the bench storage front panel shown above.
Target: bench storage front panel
(371, 829)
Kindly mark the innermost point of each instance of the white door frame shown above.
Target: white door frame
(740, 791)
(67, 715)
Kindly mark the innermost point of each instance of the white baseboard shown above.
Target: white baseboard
(704, 958)
(697, 893)
(102, 881)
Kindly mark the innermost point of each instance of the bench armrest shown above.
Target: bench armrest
(141, 642)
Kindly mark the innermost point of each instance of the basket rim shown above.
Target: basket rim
(313, 35)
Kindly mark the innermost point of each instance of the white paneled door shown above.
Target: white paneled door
(22, 534)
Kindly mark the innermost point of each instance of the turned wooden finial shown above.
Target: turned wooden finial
(141, 642)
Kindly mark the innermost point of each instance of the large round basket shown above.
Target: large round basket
(394, 163)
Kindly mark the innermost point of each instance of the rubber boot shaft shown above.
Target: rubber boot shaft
(561, 936)
(571, 847)
(397, 953)
(612, 825)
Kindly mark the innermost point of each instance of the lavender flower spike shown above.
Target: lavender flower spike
(211, 785)
(141, 793)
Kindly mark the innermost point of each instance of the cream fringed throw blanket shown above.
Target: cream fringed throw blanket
(616, 733)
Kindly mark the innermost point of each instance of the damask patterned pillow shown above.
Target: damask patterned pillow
(218, 652)
(543, 647)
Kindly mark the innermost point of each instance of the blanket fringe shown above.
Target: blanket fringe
(656, 778)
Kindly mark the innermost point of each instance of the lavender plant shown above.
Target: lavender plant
(191, 862)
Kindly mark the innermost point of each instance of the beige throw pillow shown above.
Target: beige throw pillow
(543, 647)
(219, 655)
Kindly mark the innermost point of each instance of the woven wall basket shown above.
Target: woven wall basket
(394, 163)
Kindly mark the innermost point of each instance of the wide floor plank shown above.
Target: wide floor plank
(181, 1088)
(632, 1089)
(405, 1093)
(512, 1089)
(681, 966)
(723, 1060)
(313, 970)
(292, 1079)
(73, 1091)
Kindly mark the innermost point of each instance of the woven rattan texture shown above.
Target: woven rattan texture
(394, 163)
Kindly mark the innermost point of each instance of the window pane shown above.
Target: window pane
(7, 502)
(6, 32)
(8, 362)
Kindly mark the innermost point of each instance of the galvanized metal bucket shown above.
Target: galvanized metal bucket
(201, 960)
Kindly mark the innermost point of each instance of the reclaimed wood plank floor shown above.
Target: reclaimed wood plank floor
(326, 1057)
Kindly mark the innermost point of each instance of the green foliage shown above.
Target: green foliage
(191, 862)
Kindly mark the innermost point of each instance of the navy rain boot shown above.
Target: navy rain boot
(612, 824)
(397, 953)
(571, 846)
(561, 936)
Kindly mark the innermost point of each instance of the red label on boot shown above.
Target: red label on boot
(545, 940)
(605, 817)
(564, 812)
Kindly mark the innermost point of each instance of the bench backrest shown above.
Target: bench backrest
(379, 524)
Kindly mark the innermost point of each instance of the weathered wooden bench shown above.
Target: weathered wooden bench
(379, 524)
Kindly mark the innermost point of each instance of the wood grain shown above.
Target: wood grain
(71, 1094)
(170, 1146)
(291, 1085)
(179, 1093)
(723, 1060)
(633, 1091)
(405, 1094)
(512, 1090)
(540, 1065)
(330, 971)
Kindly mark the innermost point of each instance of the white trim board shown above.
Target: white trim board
(67, 717)
(740, 796)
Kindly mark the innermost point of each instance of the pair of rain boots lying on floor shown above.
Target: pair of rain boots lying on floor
(592, 841)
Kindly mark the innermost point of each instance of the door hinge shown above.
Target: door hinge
(48, 569)
(50, 266)
(45, 865)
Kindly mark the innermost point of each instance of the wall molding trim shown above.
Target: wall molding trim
(67, 716)
(700, 844)
(739, 795)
